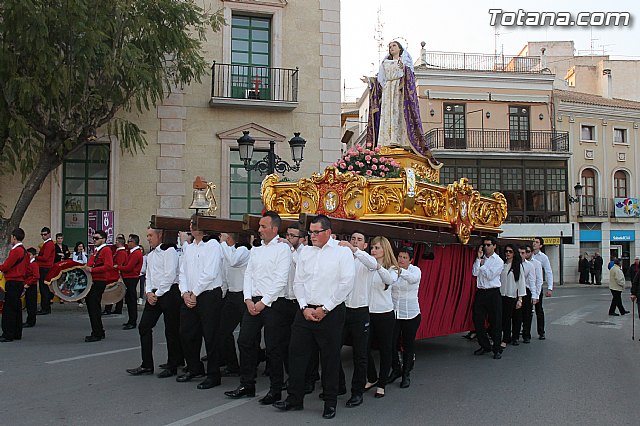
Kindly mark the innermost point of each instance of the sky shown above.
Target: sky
(464, 26)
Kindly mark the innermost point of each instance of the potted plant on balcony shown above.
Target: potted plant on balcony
(367, 161)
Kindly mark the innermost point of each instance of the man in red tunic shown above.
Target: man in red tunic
(130, 271)
(99, 265)
(119, 258)
(14, 270)
(45, 259)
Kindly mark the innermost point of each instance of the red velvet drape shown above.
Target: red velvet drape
(446, 290)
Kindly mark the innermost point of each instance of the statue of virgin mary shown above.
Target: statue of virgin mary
(394, 113)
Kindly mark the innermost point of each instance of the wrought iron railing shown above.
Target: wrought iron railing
(483, 62)
(498, 140)
(254, 82)
(593, 206)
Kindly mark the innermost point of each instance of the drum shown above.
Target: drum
(69, 281)
(113, 293)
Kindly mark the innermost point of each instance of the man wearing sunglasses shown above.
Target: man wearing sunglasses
(488, 302)
(533, 282)
(99, 264)
(45, 260)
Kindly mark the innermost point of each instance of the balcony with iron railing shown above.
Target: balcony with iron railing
(249, 86)
(498, 140)
(593, 207)
(483, 62)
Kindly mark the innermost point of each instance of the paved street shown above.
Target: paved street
(586, 372)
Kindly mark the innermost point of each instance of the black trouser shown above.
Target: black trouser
(404, 336)
(487, 303)
(45, 292)
(31, 299)
(167, 305)
(12, 311)
(274, 321)
(584, 277)
(93, 299)
(202, 321)
(290, 308)
(616, 301)
(598, 275)
(522, 318)
(327, 336)
(143, 280)
(356, 330)
(508, 307)
(540, 314)
(381, 331)
(230, 315)
(131, 298)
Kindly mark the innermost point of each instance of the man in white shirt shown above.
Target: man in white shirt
(531, 283)
(538, 255)
(488, 302)
(356, 323)
(265, 282)
(324, 278)
(163, 298)
(200, 283)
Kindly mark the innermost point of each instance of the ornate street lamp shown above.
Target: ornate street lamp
(271, 163)
(578, 191)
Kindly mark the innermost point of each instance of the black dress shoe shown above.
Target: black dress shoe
(481, 351)
(128, 327)
(497, 355)
(614, 315)
(394, 375)
(525, 340)
(5, 339)
(27, 325)
(241, 392)
(106, 313)
(43, 312)
(329, 412)
(188, 376)
(93, 338)
(209, 383)
(167, 372)
(166, 365)
(514, 342)
(624, 313)
(541, 337)
(355, 400)
(287, 406)
(270, 398)
(138, 371)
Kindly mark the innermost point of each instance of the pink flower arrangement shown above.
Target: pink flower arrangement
(365, 161)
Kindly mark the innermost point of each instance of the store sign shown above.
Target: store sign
(626, 207)
(548, 241)
(623, 235)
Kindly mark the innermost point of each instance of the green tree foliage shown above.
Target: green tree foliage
(67, 67)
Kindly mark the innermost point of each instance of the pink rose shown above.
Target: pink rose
(368, 158)
(360, 149)
(368, 145)
(369, 172)
(374, 167)
(381, 174)
(377, 149)
(350, 168)
(374, 159)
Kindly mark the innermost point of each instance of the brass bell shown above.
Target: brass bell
(203, 197)
(200, 201)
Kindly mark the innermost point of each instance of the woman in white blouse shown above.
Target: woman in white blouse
(381, 315)
(512, 289)
(79, 255)
(407, 310)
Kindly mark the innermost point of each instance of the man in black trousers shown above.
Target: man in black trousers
(163, 298)
(324, 278)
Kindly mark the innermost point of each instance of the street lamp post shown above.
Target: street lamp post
(578, 191)
(271, 162)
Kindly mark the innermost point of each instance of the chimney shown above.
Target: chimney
(608, 86)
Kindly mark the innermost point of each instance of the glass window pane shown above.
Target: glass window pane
(255, 190)
(98, 187)
(241, 45)
(240, 20)
(234, 156)
(74, 186)
(259, 47)
(239, 57)
(239, 205)
(239, 174)
(73, 204)
(240, 33)
(259, 59)
(239, 189)
(260, 22)
(97, 203)
(256, 206)
(98, 170)
(74, 169)
(260, 35)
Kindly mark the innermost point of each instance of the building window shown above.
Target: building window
(489, 179)
(620, 184)
(534, 189)
(454, 126)
(519, 139)
(512, 188)
(244, 191)
(85, 187)
(587, 133)
(556, 190)
(251, 57)
(447, 175)
(620, 136)
(589, 192)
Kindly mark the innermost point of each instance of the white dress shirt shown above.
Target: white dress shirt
(380, 299)
(489, 273)
(162, 270)
(537, 267)
(80, 257)
(235, 265)
(366, 266)
(546, 267)
(268, 271)
(509, 286)
(324, 276)
(200, 267)
(405, 293)
(529, 275)
(289, 294)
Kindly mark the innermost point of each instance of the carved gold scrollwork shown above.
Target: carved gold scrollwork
(310, 195)
(354, 197)
(381, 196)
(433, 203)
(268, 192)
(490, 211)
(426, 172)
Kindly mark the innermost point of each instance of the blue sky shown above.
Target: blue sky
(463, 26)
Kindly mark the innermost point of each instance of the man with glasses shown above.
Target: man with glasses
(265, 283)
(324, 278)
(130, 271)
(488, 302)
(533, 282)
(45, 260)
(538, 255)
(99, 265)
